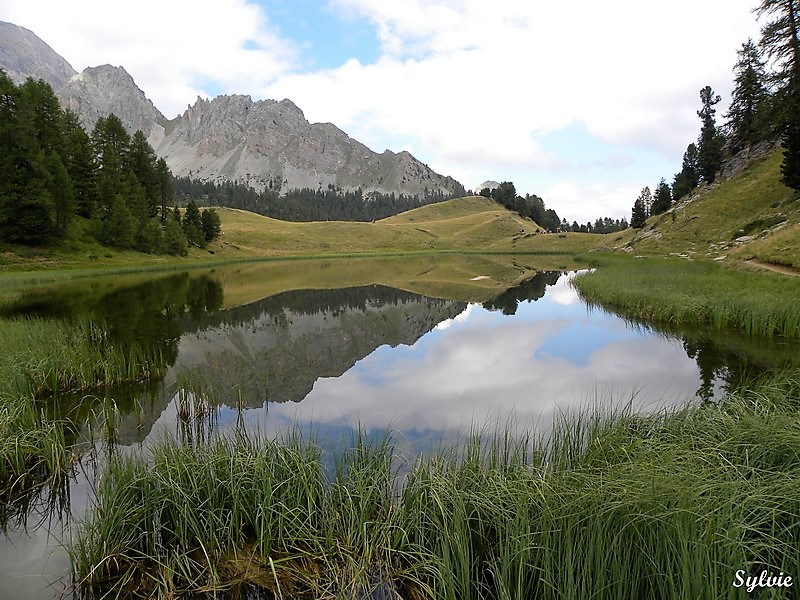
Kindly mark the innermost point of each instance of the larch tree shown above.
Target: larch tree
(780, 39)
(689, 177)
(746, 115)
(709, 147)
(663, 198)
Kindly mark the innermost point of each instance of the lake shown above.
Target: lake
(492, 342)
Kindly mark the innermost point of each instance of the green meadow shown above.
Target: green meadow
(680, 292)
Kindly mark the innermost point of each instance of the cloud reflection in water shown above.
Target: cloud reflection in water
(552, 356)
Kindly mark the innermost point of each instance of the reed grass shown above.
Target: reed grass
(33, 451)
(681, 292)
(612, 505)
(42, 359)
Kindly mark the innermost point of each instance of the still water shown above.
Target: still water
(372, 357)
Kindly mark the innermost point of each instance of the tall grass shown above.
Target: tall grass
(682, 292)
(33, 452)
(43, 358)
(612, 506)
(46, 356)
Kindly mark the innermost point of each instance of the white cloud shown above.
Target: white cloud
(174, 50)
(471, 87)
(506, 362)
(584, 203)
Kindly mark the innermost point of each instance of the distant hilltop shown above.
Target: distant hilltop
(490, 185)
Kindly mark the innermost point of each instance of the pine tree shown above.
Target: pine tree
(193, 225)
(61, 191)
(143, 162)
(663, 198)
(212, 226)
(709, 147)
(638, 214)
(746, 114)
(81, 166)
(166, 192)
(26, 205)
(689, 177)
(174, 240)
(780, 38)
(111, 143)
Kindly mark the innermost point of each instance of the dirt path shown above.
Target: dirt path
(774, 268)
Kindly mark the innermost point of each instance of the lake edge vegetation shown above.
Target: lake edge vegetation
(676, 291)
(611, 504)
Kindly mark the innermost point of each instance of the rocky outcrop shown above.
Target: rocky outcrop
(269, 144)
(490, 185)
(100, 91)
(23, 55)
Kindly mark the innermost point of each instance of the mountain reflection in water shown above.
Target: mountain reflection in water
(368, 357)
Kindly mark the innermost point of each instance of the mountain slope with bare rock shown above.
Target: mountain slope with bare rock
(265, 144)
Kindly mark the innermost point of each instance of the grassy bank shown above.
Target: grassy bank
(693, 292)
(617, 506)
(751, 215)
(41, 359)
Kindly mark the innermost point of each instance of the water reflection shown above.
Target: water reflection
(369, 356)
(151, 315)
(483, 364)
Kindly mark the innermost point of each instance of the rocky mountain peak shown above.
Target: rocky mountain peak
(489, 184)
(23, 55)
(99, 91)
(266, 144)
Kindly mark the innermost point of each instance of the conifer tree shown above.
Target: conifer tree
(143, 163)
(746, 114)
(638, 214)
(193, 225)
(709, 147)
(81, 166)
(689, 177)
(111, 143)
(212, 227)
(166, 192)
(663, 198)
(780, 39)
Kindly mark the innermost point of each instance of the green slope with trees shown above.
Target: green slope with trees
(764, 109)
(59, 182)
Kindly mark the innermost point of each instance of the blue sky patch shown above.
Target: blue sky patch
(326, 38)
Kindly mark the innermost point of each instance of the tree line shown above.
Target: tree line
(532, 207)
(56, 177)
(765, 106)
(304, 204)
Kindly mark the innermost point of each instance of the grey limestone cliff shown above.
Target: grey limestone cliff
(100, 91)
(267, 144)
(23, 55)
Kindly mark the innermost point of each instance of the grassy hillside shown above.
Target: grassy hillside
(471, 224)
(749, 216)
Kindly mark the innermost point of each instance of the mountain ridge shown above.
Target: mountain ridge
(265, 144)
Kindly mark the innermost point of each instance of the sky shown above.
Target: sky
(582, 103)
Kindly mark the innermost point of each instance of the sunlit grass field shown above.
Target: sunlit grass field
(753, 207)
